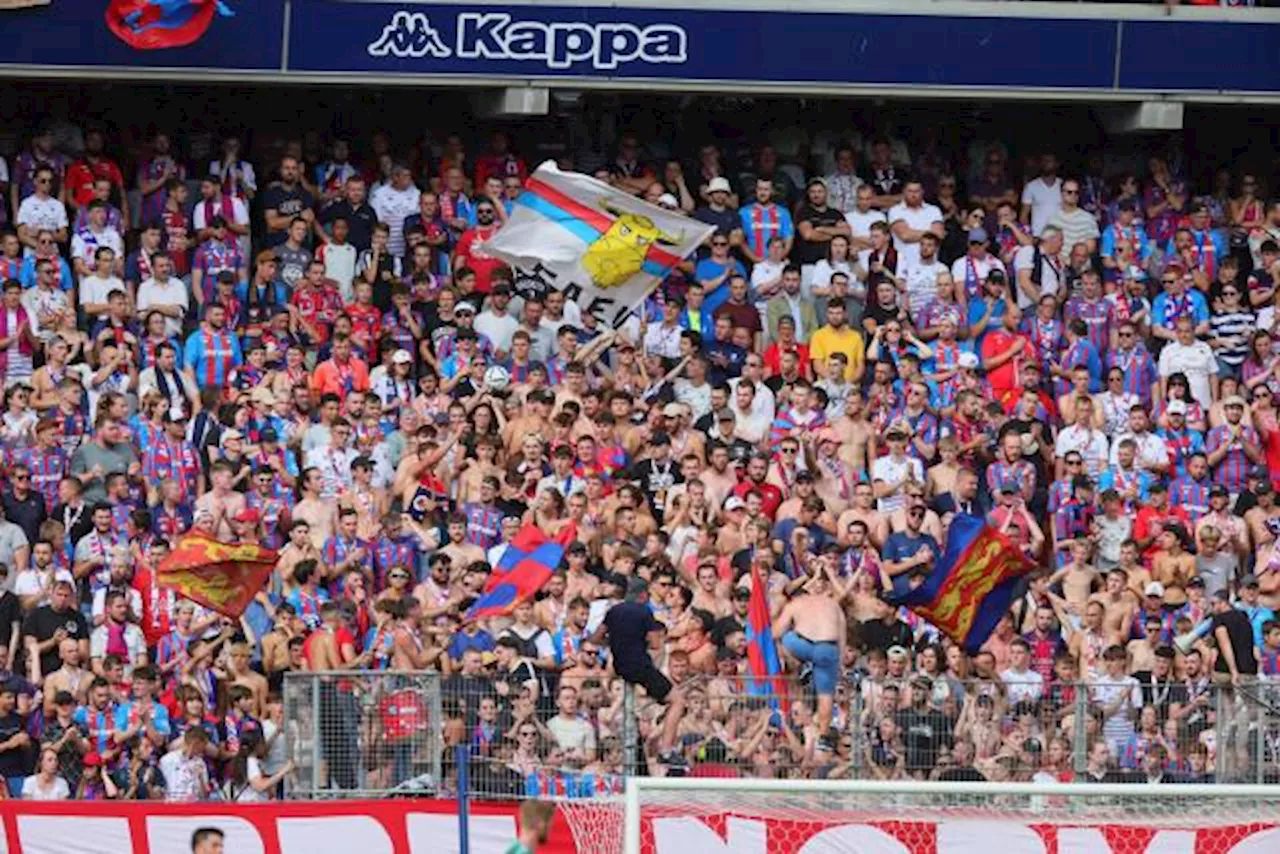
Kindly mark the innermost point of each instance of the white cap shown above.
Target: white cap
(1177, 407)
(401, 357)
(1155, 588)
(666, 200)
(968, 360)
(733, 502)
(719, 185)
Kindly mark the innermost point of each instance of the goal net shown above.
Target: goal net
(754, 816)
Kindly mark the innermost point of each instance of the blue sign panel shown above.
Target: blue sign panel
(700, 45)
(239, 35)
(1169, 56)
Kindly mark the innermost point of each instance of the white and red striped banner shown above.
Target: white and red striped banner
(431, 827)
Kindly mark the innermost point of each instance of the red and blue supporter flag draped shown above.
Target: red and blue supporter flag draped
(523, 570)
(158, 24)
(971, 585)
(784, 426)
(764, 667)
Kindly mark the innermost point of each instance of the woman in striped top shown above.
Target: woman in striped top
(1231, 324)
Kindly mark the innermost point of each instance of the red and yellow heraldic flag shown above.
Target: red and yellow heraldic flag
(217, 575)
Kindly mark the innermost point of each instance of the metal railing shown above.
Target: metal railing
(385, 734)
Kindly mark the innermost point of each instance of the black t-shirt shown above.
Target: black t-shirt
(805, 252)
(27, 513)
(285, 202)
(629, 624)
(924, 734)
(44, 621)
(725, 221)
(360, 220)
(881, 314)
(1240, 633)
(10, 613)
(16, 762)
(655, 479)
(876, 634)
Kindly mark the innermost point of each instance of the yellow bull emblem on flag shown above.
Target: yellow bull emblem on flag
(619, 253)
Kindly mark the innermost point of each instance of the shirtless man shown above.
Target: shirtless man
(856, 435)
(216, 508)
(1259, 519)
(550, 611)
(834, 478)
(1087, 643)
(460, 552)
(409, 650)
(719, 478)
(534, 420)
(427, 454)
(710, 594)
(475, 469)
(299, 548)
(1119, 605)
(1078, 577)
(864, 511)
(240, 673)
(577, 580)
(812, 628)
(70, 677)
(320, 516)
(1173, 566)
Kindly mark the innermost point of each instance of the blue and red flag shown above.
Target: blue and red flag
(158, 24)
(524, 568)
(764, 667)
(972, 584)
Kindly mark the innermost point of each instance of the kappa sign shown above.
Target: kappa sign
(557, 45)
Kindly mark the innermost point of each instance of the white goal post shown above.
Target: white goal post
(766, 816)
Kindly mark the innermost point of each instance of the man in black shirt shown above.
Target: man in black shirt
(48, 625)
(355, 209)
(925, 731)
(657, 474)
(16, 749)
(628, 626)
(886, 632)
(23, 506)
(816, 224)
(1233, 634)
(284, 201)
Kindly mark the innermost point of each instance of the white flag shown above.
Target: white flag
(604, 248)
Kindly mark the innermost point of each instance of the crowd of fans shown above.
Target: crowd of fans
(318, 355)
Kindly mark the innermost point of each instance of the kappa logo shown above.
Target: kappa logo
(558, 45)
(410, 34)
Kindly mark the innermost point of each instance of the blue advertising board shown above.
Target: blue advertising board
(231, 35)
(966, 46)
(700, 45)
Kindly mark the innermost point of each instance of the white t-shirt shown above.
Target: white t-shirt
(1026, 686)
(1049, 275)
(921, 283)
(966, 267)
(1090, 444)
(37, 214)
(173, 292)
(94, 289)
(497, 328)
(340, 265)
(31, 790)
(920, 219)
(860, 223)
(31, 582)
(1197, 361)
(85, 244)
(239, 213)
(392, 206)
(892, 471)
(1045, 199)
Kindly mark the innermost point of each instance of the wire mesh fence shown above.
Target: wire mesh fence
(386, 734)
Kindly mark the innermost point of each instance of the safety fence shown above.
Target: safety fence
(379, 734)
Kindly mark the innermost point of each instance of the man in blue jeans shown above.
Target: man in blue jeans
(813, 630)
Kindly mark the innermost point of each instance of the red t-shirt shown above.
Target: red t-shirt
(1006, 376)
(470, 253)
(1148, 515)
(771, 496)
(773, 358)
